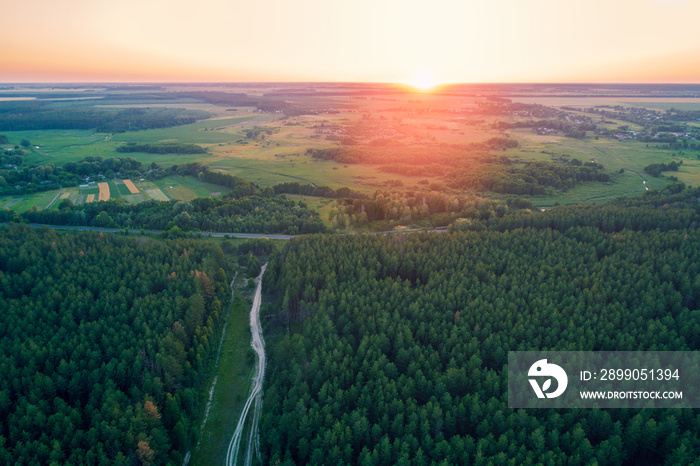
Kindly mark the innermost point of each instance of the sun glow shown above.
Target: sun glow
(423, 80)
(453, 41)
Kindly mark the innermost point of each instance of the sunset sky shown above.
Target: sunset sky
(447, 41)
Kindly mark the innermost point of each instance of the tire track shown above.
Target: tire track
(255, 397)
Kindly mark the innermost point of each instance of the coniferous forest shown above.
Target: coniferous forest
(383, 349)
(105, 341)
(398, 346)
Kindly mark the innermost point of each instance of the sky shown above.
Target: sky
(404, 41)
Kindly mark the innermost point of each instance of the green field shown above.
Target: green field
(182, 188)
(631, 156)
(186, 188)
(61, 146)
(281, 156)
(320, 172)
(202, 132)
(232, 386)
(626, 184)
(22, 203)
(660, 104)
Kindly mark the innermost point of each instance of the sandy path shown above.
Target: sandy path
(255, 397)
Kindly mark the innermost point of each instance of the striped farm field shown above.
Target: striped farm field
(179, 188)
(104, 192)
(157, 194)
(133, 189)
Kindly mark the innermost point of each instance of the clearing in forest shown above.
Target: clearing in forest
(130, 185)
(104, 192)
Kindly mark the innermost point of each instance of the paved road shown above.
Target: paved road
(157, 232)
(221, 235)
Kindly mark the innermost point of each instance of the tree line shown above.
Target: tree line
(673, 208)
(655, 169)
(251, 214)
(574, 129)
(162, 148)
(294, 187)
(47, 177)
(531, 178)
(387, 209)
(43, 116)
(245, 209)
(441, 154)
(467, 168)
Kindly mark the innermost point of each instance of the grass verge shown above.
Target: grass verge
(232, 386)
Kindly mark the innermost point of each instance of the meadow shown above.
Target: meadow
(427, 121)
(181, 188)
(232, 384)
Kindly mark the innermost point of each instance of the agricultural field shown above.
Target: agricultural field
(61, 146)
(642, 102)
(629, 156)
(180, 188)
(185, 188)
(130, 186)
(21, 203)
(104, 192)
(278, 158)
(269, 148)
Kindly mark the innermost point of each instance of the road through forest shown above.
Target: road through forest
(255, 397)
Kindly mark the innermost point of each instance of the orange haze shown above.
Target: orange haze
(362, 40)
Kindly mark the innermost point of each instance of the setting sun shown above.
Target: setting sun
(423, 80)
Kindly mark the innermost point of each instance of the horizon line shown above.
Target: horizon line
(166, 82)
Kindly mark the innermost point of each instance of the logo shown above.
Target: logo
(542, 369)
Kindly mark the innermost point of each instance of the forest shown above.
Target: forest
(13, 157)
(245, 209)
(162, 148)
(250, 214)
(381, 152)
(574, 129)
(233, 99)
(674, 208)
(47, 177)
(473, 167)
(386, 348)
(294, 187)
(105, 343)
(655, 169)
(394, 207)
(398, 346)
(531, 178)
(38, 115)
